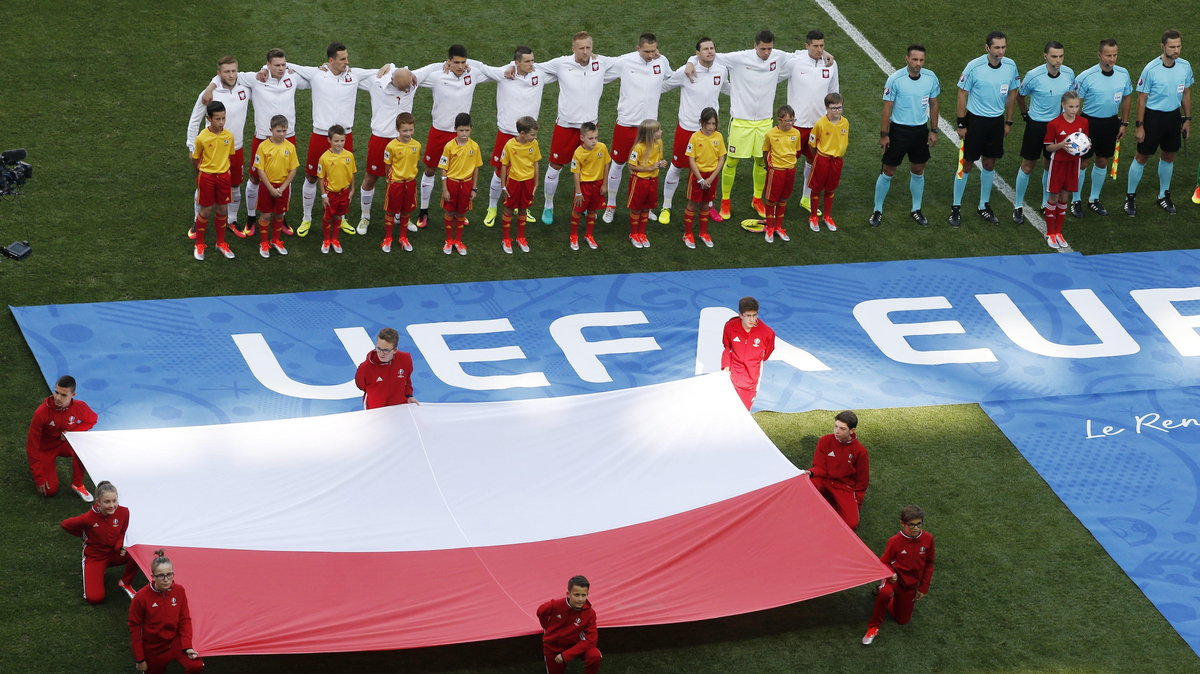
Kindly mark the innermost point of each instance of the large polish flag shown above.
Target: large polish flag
(424, 525)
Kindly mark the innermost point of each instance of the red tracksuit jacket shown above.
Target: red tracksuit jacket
(846, 466)
(911, 559)
(102, 535)
(745, 352)
(49, 423)
(569, 631)
(157, 619)
(385, 384)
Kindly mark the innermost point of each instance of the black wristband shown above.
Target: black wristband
(1124, 123)
(1138, 124)
(1008, 122)
(962, 122)
(1186, 118)
(883, 134)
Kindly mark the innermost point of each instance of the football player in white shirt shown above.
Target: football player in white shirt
(453, 82)
(643, 74)
(518, 94)
(236, 99)
(276, 95)
(335, 88)
(810, 79)
(695, 95)
(392, 93)
(581, 77)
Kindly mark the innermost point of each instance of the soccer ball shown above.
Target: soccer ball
(1078, 144)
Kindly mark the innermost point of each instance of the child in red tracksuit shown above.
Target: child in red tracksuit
(103, 530)
(746, 343)
(160, 626)
(58, 414)
(569, 625)
(910, 555)
(841, 469)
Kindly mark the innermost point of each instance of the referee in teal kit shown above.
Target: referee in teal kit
(987, 91)
(1164, 90)
(910, 102)
(1106, 90)
(1044, 85)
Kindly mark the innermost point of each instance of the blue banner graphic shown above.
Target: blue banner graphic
(889, 334)
(1128, 466)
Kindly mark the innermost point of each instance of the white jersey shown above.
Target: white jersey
(641, 86)
(809, 81)
(694, 97)
(579, 87)
(334, 96)
(451, 94)
(519, 97)
(237, 103)
(386, 102)
(752, 82)
(276, 96)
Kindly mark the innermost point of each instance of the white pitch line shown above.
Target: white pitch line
(1032, 217)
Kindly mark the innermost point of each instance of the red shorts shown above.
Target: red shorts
(317, 145)
(563, 144)
(254, 150)
(697, 194)
(623, 139)
(501, 139)
(593, 199)
(643, 193)
(826, 174)
(269, 204)
(212, 188)
(679, 157)
(401, 197)
(806, 150)
(460, 196)
(237, 167)
(375, 148)
(520, 194)
(434, 143)
(779, 185)
(339, 203)
(1063, 176)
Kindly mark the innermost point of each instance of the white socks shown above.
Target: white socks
(614, 182)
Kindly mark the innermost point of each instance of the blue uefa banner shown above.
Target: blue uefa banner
(1128, 466)
(870, 335)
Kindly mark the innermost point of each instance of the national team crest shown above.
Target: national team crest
(348, 78)
(772, 66)
(533, 81)
(596, 66)
(400, 372)
(716, 80)
(467, 81)
(241, 95)
(657, 69)
(287, 82)
(825, 73)
(346, 160)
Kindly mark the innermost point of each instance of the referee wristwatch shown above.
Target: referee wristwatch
(1186, 118)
